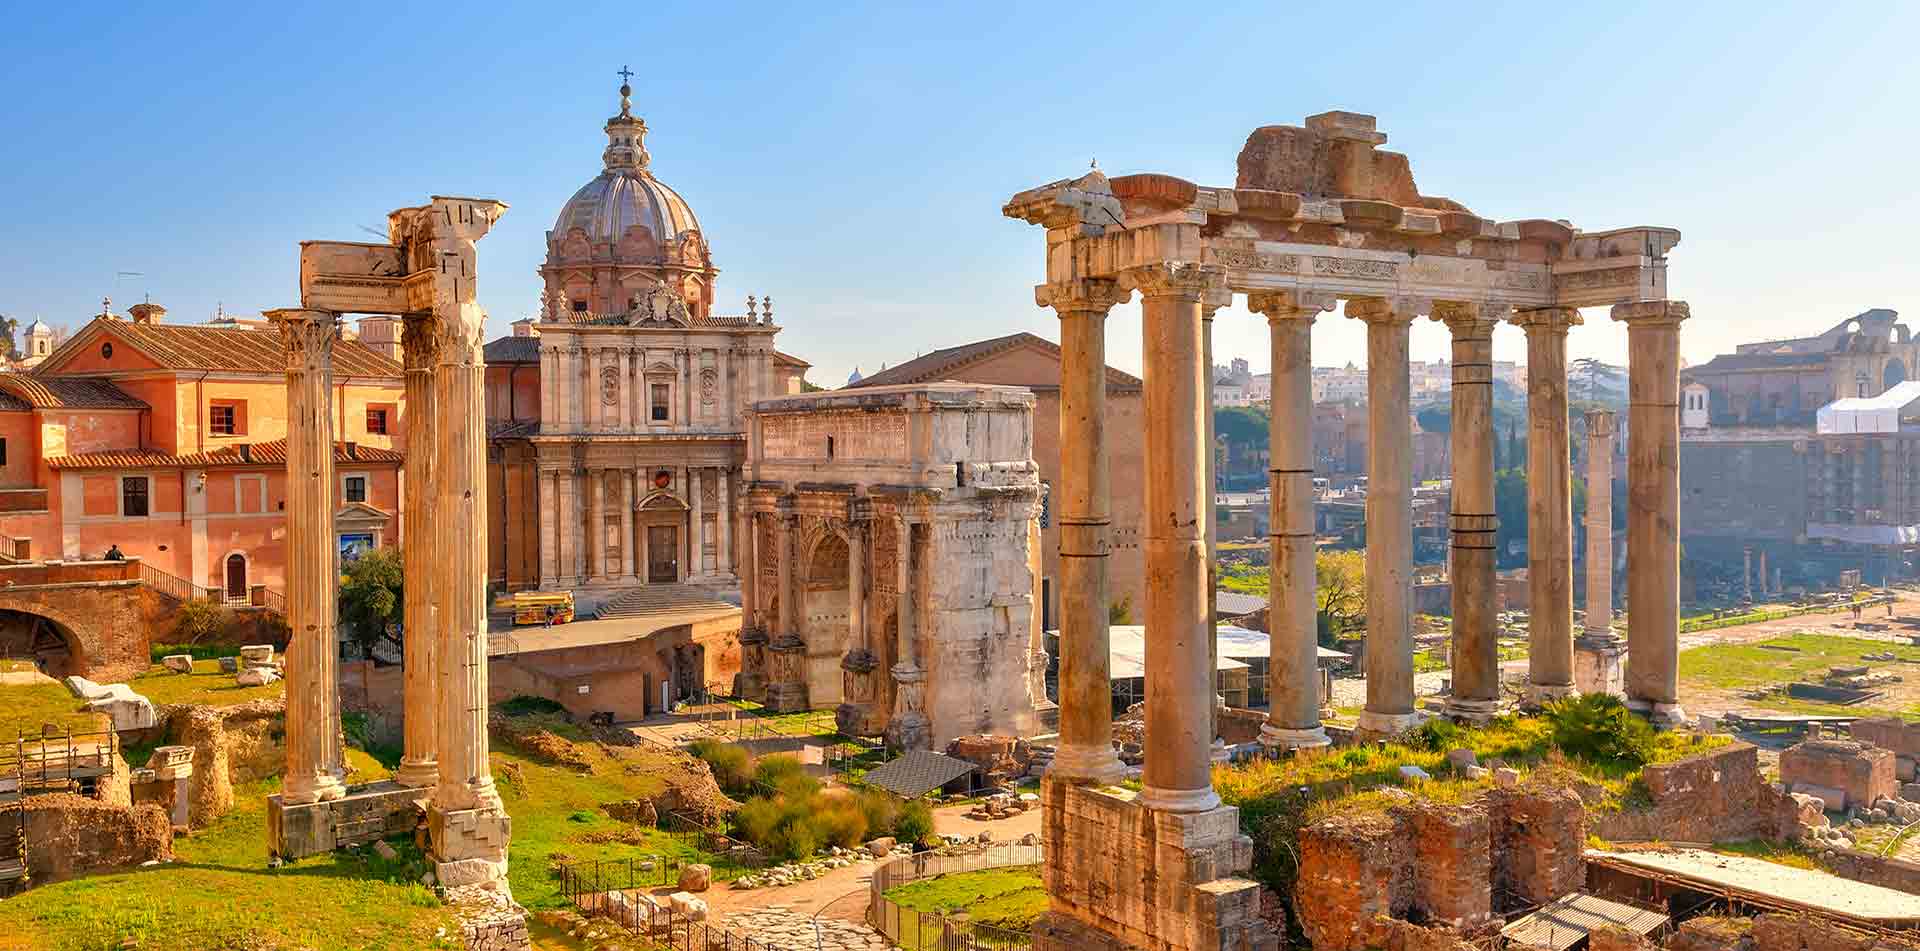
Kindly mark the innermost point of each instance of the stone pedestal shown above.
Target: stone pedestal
(1120, 875)
(909, 729)
(751, 684)
(1599, 664)
(787, 675)
(364, 814)
(861, 714)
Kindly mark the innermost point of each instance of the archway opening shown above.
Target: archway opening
(824, 618)
(236, 577)
(30, 641)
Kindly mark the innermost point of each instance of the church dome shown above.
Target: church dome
(626, 193)
(621, 198)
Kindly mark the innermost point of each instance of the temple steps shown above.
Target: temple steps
(653, 599)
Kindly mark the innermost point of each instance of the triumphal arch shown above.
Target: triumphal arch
(426, 275)
(1318, 215)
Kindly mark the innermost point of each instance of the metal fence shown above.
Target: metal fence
(919, 930)
(579, 881)
(723, 847)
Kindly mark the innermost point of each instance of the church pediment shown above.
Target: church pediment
(359, 516)
(659, 307)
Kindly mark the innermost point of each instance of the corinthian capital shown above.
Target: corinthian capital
(1387, 310)
(419, 341)
(1186, 280)
(1290, 305)
(1551, 320)
(1651, 312)
(1081, 296)
(308, 336)
(1469, 320)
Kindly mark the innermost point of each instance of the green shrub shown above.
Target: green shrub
(1437, 735)
(200, 619)
(523, 705)
(732, 766)
(783, 773)
(838, 821)
(881, 810)
(915, 824)
(1599, 728)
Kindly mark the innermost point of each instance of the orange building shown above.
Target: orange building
(169, 442)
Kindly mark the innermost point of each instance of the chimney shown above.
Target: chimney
(381, 334)
(147, 313)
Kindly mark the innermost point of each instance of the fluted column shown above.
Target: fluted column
(1179, 683)
(725, 519)
(1475, 654)
(859, 714)
(549, 528)
(697, 533)
(419, 762)
(1600, 433)
(1549, 504)
(627, 561)
(1389, 710)
(1293, 660)
(568, 525)
(1653, 506)
(909, 729)
(314, 758)
(1084, 513)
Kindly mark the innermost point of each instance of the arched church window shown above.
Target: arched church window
(829, 447)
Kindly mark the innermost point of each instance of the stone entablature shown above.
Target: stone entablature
(893, 560)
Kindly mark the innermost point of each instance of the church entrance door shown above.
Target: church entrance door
(663, 554)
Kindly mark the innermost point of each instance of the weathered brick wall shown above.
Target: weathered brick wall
(1710, 797)
(1792, 933)
(1712, 933)
(231, 746)
(1864, 773)
(108, 623)
(1616, 938)
(1352, 869)
(1898, 875)
(1453, 849)
(1539, 832)
(69, 836)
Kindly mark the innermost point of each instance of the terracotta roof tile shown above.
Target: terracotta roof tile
(246, 454)
(54, 392)
(200, 347)
(513, 350)
(936, 365)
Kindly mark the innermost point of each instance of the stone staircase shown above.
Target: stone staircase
(655, 599)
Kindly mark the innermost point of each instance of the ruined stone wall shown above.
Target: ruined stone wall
(1863, 773)
(108, 624)
(1710, 797)
(1453, 849)
(1893, 733)
(1352, 869)
(1538, 834)
(232, 746)
(1792, 933)
(1891, 873)
(979, 621)
(69, 836)
(1712, 933)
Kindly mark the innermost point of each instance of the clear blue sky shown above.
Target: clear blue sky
(851, 160)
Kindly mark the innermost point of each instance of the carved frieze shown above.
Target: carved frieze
(1353, 267)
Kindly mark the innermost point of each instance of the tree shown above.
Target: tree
(9, 346)
(1339, 592)
(371, 599)
(1510, 505)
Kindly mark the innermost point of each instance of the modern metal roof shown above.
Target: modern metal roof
(917, 772)
(1568, 920)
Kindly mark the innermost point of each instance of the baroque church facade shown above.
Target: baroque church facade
(618, 417)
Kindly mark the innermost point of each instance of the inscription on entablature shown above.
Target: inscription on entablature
(854, 436)
(1350, 267)
(1520, 280)
(1247, 258)
(1586, 280)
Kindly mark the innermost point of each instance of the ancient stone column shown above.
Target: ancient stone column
(1766, 586)
(1746, 571)
(909, 729)
(697, 531)
(628, 563)
(1549, 504)
(596, 536)
(1389, 710)
(858, 715)
(1293, 665)
(1653, 506)
(568, 522)
(1179, 683)
(1217, 752)
(467, 825)
(752, 684)
(1596, 652)
(419, 761)
(1475, 654)
(314, 761)
(724, 517)
(549, 528)
(1083, 510)
(787, 652)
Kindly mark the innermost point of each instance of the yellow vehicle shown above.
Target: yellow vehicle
(532, 607)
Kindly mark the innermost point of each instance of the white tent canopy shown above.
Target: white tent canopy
(1871, 414)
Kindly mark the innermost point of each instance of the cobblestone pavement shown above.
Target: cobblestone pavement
(782, 927)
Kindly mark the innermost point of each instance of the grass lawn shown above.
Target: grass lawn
(206, 685)
(1009, 898)
(24, 707)
(1428, 661)
(1780, 660)
(219, 894)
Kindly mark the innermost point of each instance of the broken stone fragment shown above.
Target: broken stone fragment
(178, 663)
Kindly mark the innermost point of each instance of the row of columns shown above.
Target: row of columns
(445, 681)
(572, 388)
(569, 557)
(1176, 298)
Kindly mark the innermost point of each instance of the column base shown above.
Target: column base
(911, 731)
(1088, 764)
(1217, 754)
(787, 697)
(1179, 800)
(321, 789)
(417, 775)
(366, 814)
(1539, 695)
(1280, 738)
(751, 686)
(469, 846)
(1473, 711)
(1598, 665)
(1668, 716)
(1383, 726)
(863, 718)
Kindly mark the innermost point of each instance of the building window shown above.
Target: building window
(106, 351)
(579, 307)
(133, 496)
(355, 488)
(220, 420)
(659, 401)
(376, 421)
(3, 451)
